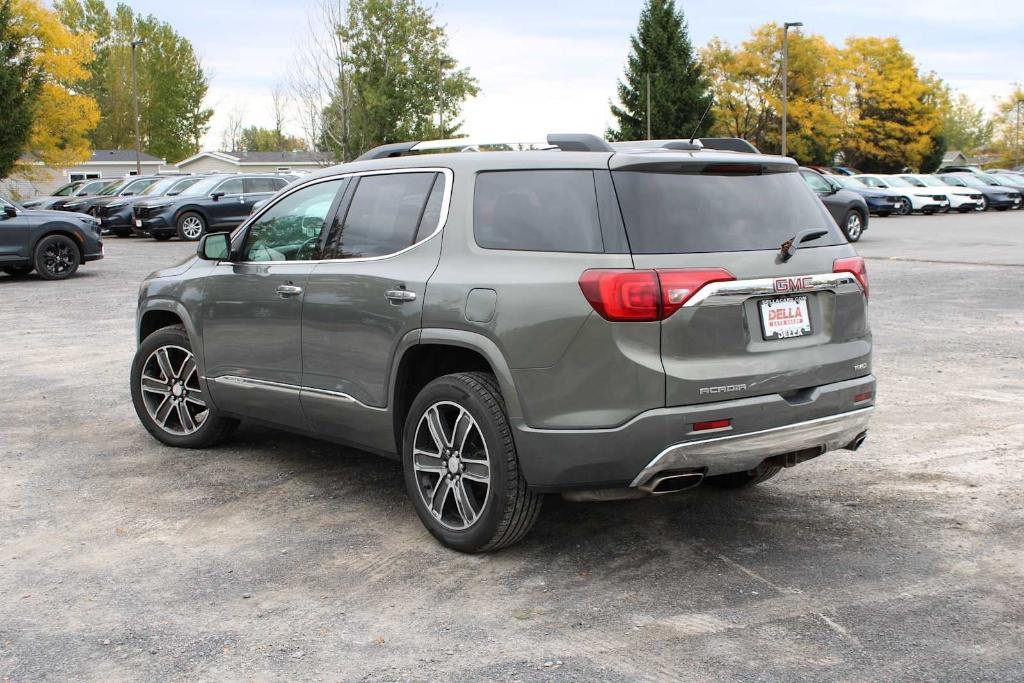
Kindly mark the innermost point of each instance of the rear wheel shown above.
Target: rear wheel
(742, 480)
(167, 395)
(18, 271)
(56, 257)
(191, 226)
(461, 468)
(853, 225)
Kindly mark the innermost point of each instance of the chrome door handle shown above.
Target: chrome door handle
(286, 291)
(399, 296)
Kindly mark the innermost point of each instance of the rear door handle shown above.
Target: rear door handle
(286, 291)
(399, 296)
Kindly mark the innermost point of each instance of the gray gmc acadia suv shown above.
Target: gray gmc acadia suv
(597, 321)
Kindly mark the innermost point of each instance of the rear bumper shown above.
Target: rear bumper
(825, 418)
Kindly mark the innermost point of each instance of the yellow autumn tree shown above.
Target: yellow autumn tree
(63, 116)
(1009, 128)
(892, 111)
(748, 92)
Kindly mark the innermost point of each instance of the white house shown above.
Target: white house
(253, 162)
(103, 163)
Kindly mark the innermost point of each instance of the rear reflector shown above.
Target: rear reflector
(865, 396)
(855, 266)
(711, 424)
(645, 295)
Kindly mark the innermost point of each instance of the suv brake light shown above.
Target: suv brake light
(855, 266)
(645, 295)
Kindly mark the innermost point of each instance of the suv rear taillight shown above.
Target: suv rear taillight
(645, 295)
(855, 266)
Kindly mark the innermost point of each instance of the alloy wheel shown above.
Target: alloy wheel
(171, 391)
(905, 207)
(854, 226)
(451, 465)
(192, 227)
(58, 257)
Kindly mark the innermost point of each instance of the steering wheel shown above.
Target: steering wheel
(307, 249)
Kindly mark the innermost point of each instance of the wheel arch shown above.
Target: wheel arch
(435, 352)
(191, 208)
(58, 229)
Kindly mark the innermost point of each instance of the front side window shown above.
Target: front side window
(537, 211)
(233, 186)
(384, 215)
(290, 229)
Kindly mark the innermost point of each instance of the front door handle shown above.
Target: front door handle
(400, 296)
(286, 291)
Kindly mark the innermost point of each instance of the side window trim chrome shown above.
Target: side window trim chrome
(449, 178)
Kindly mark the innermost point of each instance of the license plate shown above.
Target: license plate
(785, 318)
(138, 223)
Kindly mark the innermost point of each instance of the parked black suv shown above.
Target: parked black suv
(52, 243)
(116, 215)
(81, 188)
(129, 187)
(597, 321)
(218, 202)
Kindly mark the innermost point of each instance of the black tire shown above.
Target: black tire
(743, 480)
(906, 207)
(983, 206)
(18, 271)
(191, 226)
(509, 509)
(884, 214)
(213, 427)
(853, 225)
(965, 209)
(162, 236)
(56, 257)
(122, 233)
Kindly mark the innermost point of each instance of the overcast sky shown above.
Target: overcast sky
(552, 65)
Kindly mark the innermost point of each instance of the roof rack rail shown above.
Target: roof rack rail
(579, 142)
(729, 145)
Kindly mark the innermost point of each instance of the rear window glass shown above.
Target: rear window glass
(671, 213)
(537, 211)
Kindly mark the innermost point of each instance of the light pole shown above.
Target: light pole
(785, 75)
(135, 106)
(1016, 136)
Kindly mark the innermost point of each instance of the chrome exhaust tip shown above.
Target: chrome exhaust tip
(660, 485)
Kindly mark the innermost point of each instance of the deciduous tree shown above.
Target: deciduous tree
(63, 115)
(661, 51)
(21, 81)
(171, 81)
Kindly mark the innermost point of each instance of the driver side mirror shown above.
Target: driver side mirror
(216, 196)
(215, 246)
(10, 211)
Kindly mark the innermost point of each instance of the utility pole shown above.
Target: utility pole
(785, 76)
(648, 74)
(135, 106)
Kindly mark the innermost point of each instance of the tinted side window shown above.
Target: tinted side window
(383, 216)
(233, 186)
(537, 211)
(290, 229)
(260, 185)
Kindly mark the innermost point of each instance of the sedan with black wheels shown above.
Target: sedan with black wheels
(52, 243)
(849, 209)
(219, 202)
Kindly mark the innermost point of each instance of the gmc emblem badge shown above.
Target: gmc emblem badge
(793, 284)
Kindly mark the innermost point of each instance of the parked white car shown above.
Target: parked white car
(925, 200)
(962, 199)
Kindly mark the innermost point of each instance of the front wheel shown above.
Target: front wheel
(461, 468)
(983, 206)
(167, 395)
(853, 225)
(191, 226)
(905, 207)
(56, 257)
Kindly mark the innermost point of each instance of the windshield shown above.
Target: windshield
(112, 188)
(66, 190)
(897, 182)
(916, 182)
(671, 213)
(204, 186)
(872, 182)
(182, 185)
(932, 181)
(160, 186)
(972, 181)
(847, 182)
(987, 179)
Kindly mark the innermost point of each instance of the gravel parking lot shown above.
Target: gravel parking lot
(280, 557)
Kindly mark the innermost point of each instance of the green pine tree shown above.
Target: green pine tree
(680, 91)
(20, 83)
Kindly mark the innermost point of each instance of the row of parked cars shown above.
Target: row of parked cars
(851, 197)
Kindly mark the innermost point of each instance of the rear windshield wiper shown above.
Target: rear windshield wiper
(790, 246)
